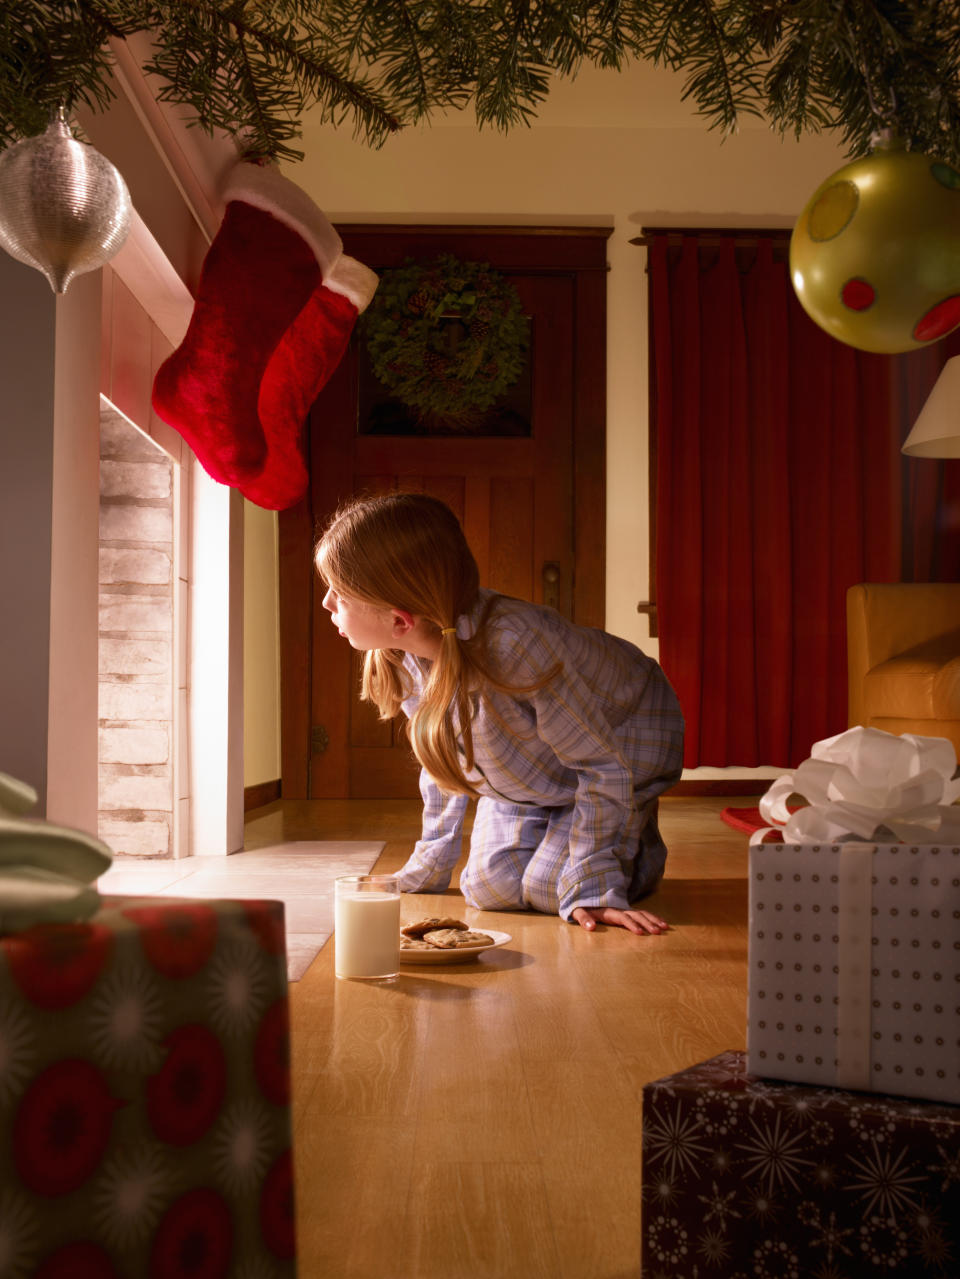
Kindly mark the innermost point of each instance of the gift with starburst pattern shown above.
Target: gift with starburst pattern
(747, 1178)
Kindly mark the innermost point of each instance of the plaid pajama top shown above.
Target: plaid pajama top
(567, 774)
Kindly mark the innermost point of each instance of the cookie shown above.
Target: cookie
(415, 943)
(421, 926)
(456, 938)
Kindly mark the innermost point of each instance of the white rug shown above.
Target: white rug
(300, 874)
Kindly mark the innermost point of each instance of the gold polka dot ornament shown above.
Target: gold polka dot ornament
(875, 254)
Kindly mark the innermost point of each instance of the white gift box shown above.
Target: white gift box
(854, 967)
(854, 943)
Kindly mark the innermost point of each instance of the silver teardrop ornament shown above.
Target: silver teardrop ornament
(64, 208)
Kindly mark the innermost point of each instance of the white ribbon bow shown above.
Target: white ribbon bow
(865, 779)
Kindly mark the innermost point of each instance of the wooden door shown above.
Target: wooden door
(531, 506)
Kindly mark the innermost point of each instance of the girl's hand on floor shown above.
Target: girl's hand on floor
(634, 921)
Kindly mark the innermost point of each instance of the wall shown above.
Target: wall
(27, 332)
(72, 710)
(611, 149)
(48, 540)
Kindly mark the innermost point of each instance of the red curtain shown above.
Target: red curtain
(778, 485)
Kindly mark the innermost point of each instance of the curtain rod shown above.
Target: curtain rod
(743, 237)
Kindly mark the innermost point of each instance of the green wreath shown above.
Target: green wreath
(446, 337)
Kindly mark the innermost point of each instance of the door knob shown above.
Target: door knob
(551, 584)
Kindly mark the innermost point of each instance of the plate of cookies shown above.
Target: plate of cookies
(444, 940)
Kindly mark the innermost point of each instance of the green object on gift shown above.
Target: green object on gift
(47, 872)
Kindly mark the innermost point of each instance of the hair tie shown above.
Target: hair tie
(448, 630)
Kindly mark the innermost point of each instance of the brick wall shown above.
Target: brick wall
(137, 784)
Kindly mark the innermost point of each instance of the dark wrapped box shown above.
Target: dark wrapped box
(746, 1178)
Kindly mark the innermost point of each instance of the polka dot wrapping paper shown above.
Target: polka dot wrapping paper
(854, 967)
(145, 1094)
(748, 1178)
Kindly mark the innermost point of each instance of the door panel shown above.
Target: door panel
(516, 498)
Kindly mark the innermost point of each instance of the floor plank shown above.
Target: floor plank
(486, 1219)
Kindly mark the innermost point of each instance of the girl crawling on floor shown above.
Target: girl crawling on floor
(564, 734)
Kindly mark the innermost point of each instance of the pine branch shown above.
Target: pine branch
(52, 55)
(247, 71)
(422, 54)
(609, 35)
(406, 73)
(512, 77)
(862, 68)
(717, 46)
(252, 67)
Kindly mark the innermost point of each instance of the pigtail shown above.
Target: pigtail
(384, 681)
(443, 715)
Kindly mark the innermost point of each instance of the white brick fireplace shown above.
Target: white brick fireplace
(141, 648)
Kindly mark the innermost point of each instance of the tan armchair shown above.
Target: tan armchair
(903, 657)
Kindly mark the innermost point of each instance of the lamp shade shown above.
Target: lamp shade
(936, 432)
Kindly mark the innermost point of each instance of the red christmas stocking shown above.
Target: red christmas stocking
(299, 368)
(265, 262)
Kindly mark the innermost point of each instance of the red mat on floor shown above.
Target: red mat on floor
(748, 819)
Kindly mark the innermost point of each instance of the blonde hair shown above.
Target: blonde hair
(407, 551)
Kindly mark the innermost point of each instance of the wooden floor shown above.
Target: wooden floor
(484, 1121)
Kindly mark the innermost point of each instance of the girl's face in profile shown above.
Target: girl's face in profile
(363, 625)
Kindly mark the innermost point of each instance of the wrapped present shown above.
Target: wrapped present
(145, 1093)
(854, 968)
(854, 946)
(745, 1178)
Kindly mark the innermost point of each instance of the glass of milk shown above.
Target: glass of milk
(366, 929)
